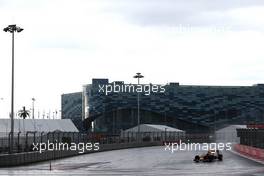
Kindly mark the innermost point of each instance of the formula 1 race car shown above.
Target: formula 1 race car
(210, 156)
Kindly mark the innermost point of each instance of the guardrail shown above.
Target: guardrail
(251, 152)
(24, 142)
(16, 159)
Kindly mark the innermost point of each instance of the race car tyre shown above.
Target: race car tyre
(220, 157)
(210, 158)
(197, 158)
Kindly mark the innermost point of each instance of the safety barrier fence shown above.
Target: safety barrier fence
(251, 152)
(24, 142)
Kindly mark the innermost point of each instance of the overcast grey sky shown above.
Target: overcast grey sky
(66, 43)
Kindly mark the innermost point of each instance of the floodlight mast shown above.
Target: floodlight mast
(12, 29)
(138, 76)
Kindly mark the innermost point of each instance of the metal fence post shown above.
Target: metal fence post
(41, 136)
(34, 139)
(26, 142)
(18, 146)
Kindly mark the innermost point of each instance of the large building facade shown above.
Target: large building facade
(190, 108)
(71, 108)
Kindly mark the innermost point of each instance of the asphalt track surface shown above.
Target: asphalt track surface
(141, 161)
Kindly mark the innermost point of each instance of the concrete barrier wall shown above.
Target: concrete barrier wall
(7, 160)
(251, 152)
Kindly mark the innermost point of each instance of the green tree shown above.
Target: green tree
(23, 113)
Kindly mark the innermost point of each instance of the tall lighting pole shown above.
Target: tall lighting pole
(33, 108)
(12, 29)
(138, 76)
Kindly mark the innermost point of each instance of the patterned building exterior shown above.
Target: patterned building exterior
(190, 108)
(71, 108)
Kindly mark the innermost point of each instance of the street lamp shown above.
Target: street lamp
(138, 76)
(12, 29)
(33, 101)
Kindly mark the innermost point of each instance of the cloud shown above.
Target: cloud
(66, 43)
(195, 13)
(63, 43)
